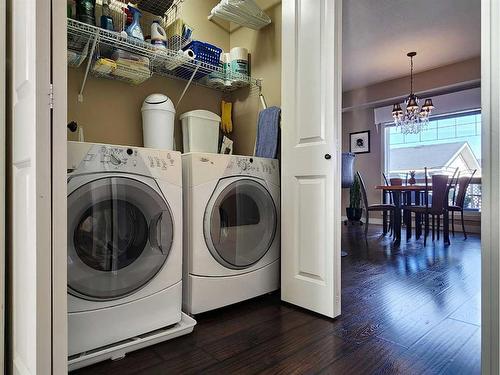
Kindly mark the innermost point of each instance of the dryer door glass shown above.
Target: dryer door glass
(242, 224)
(120, 232)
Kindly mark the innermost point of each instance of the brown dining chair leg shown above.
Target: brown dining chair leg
(433, 227)
(408, 226)
(438, 225)
(391, 222)
(452, 223)
(463, 224)
(426, 228)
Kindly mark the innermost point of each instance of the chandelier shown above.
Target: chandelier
(412, 119)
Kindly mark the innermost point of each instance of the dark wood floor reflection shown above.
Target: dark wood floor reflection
(407, 310)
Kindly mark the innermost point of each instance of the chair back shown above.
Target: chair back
(363, 190)
(463, 185)
(386, 181)
(396, 181)
(441, 185)
(455, 187)
(439, 192)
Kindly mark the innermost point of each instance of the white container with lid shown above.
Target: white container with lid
(158, 118)
(200, 131)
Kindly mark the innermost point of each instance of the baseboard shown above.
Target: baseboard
(373, 220)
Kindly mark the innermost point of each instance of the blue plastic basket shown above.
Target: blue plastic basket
(204, 52)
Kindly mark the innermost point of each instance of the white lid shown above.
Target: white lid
(158, 101)
(201, 113)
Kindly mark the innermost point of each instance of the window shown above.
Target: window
(448, 142)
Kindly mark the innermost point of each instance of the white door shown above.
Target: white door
(311, 101)
(30, 168)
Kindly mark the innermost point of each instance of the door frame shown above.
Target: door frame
(3, 161)
(59, 70)
(490, 57)
(490, 221)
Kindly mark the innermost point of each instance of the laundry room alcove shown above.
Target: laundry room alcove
(107, 107)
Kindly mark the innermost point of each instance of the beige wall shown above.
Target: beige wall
(264, 47)
(358, 112)
(111, 110)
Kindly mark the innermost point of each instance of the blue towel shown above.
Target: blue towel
(268, 133)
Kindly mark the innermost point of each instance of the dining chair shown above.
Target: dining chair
(391, 201)
(458, 201)
(384, 207)
(437, 206)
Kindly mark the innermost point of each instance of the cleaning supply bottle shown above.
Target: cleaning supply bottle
(106, 19)
(134, 29)
(158, 35)
(85, 11)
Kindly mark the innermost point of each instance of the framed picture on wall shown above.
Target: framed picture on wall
(360, 142)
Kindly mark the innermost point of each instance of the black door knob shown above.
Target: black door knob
(328, 156)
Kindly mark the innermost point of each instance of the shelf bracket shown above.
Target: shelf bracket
(188, 84)
(89, 62)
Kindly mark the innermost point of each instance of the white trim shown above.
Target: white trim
(490, 225)
(3, 90)
(59, 189)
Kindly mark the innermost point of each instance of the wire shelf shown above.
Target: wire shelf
(170, 63)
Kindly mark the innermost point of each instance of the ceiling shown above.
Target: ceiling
(378, 34)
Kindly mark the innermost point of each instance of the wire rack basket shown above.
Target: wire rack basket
(140, 60)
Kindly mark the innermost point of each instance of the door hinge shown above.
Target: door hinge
(51, 96)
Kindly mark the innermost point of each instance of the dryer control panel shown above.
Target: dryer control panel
(267, 169)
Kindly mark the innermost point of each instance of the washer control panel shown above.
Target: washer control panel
(99, 158)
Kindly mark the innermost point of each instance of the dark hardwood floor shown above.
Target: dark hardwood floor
(407, 310)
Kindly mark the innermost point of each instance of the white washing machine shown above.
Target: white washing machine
(231, 229)
(124, 243)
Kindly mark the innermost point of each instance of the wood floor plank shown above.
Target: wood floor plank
(469, 311)
(238, 342)
(190, 362)
(413, 327)
(434, 351)
(312, 358)
(368, 358)
(273, 351)
(466, 361)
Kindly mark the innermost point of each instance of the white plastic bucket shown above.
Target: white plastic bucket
(200, 131)
(158, 118)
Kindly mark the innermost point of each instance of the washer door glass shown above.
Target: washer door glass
(240, 224)
(120, 232)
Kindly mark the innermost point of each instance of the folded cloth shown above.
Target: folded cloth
(268, 133)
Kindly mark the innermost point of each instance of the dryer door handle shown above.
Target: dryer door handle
(155, 231)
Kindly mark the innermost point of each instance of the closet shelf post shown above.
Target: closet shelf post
(89, 62)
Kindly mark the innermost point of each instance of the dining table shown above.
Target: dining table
(405, 191)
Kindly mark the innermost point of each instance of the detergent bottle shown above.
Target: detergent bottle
(158, 35)
(134, 29)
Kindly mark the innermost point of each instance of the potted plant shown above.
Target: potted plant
(354, 211)
(412, 180)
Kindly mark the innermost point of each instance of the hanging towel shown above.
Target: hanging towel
(268, 133)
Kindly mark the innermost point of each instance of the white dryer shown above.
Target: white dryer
(124, 243)
(231, 229)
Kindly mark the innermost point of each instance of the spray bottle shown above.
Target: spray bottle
(134, 29)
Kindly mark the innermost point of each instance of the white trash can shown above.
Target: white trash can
(200, 131)
(158, 118)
